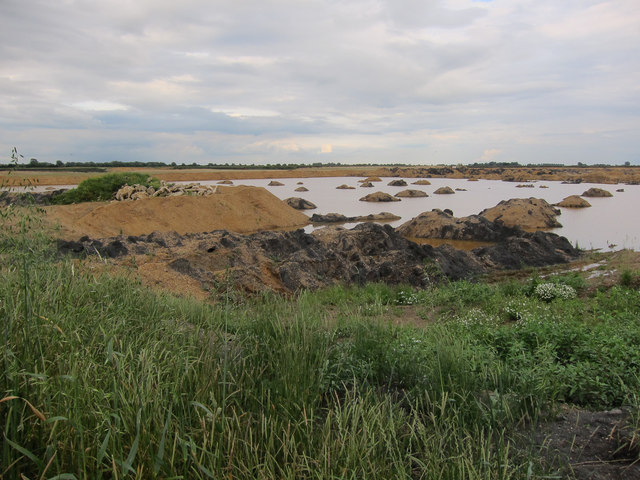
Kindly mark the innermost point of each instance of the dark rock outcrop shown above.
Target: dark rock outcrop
(339, 218)
(294, 260)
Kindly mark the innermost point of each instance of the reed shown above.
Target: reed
(104, 378)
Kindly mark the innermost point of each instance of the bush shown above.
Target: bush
(549, 291)
(102, 188)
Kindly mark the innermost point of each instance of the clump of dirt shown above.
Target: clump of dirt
(239, 209)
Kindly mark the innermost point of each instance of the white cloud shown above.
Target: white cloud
(326, 148)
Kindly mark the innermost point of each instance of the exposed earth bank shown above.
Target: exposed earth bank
(289, 261)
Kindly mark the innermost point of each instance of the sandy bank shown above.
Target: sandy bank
(238, 209)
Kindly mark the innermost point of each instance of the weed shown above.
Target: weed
(102, 188)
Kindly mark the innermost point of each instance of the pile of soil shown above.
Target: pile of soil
(527, 213)
(443, 225)
(573, 201)
(379, 197)
(239, 209)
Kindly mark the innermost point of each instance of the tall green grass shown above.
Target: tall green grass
(104, 378)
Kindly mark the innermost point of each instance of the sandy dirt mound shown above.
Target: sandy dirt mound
(239, 209)
(573, 201)
(528, 213)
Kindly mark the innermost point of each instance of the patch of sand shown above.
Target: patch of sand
(239, 209)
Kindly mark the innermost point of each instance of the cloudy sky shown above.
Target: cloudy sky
(302, 81)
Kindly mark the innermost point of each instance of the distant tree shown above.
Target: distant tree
(627, 164)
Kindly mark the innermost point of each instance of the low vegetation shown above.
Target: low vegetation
(102, 188)
(104, 378)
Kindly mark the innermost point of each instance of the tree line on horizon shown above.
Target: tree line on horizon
(59, 165)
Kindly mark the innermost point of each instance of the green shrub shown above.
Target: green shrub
(102, 188)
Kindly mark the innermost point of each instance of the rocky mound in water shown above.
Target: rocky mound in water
(443, 225)
(597, 192)
(444, 191)
(379, 197)
(528, 213)
(397, 183)
(410, 193)
(299, 203)
(294, 260)
(339, 218)
(573, 201)
(421, 182)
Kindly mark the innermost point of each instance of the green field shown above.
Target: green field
(104, 378)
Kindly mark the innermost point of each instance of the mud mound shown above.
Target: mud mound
(379, 197)
(239, 209)
(597, 192)
(299, 203)
(397, 183)
(573, 201)
(528, 213)
(439, 224)
(410, 193)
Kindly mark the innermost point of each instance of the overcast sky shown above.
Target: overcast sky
(302, 81)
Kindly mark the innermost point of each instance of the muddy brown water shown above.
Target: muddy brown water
(611, 223)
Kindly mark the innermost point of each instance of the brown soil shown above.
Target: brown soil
(528, 213)
(608, 175)
(591, 445)
(238, 209)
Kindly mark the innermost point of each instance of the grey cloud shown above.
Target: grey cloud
(374, 76)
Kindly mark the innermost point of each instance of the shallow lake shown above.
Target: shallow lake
(610, 223)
